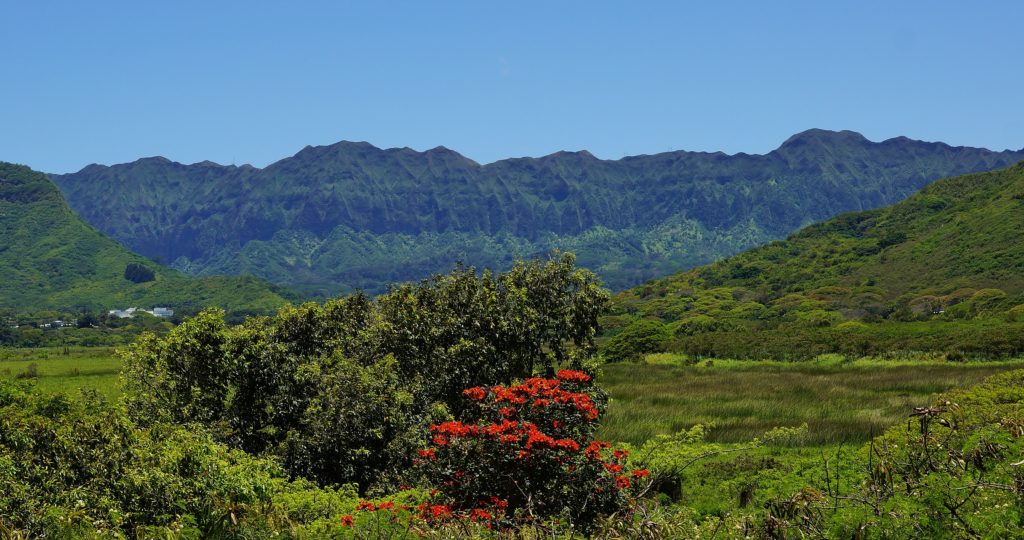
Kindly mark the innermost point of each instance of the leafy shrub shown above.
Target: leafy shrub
(818, 318)
(73, 468)
(987, 299)
(138, 273)
(697, 324)
(1015, 314)
(31, 372)
(639, 338)
(953, 472)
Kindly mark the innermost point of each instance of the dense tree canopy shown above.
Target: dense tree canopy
(343, 391)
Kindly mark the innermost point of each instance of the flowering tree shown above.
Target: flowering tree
(525, 453)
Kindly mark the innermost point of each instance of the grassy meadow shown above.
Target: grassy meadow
(81, 368)
(841, 401)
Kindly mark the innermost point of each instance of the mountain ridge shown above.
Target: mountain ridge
(370, 216)
(799, 136)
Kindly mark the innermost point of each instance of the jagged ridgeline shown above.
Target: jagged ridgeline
(51, 259)
(947, 264)
(350, 215)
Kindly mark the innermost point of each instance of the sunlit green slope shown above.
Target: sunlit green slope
(51, 259)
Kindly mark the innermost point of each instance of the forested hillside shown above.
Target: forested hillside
(51, 259)
(954, 252)
(350, 215)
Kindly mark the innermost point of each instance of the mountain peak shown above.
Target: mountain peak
(153, 159)
(824, 136)
(584, 154)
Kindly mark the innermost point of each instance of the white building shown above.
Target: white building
(130, 312)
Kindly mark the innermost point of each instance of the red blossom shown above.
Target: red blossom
(430, 454)
(538, 437)
(346, 520)
(435, 512)
(476, 394)
(622, 482)
(479, 514)
(568, 444)
(641, 473)
(570, 375)
(500, 503)
(593, 450)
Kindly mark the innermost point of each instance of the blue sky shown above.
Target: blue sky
(252, 82)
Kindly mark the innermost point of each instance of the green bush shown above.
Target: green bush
(1015, 314)
(81, 468)
(697, 324)
(138, 273)
(639, 338)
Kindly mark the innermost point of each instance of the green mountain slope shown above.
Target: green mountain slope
(350, 215)
(954, 252)
(51, 259)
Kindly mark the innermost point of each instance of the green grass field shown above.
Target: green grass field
(82, 368)
(841, 401)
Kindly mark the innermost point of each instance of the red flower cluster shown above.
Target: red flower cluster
(593, 450)
(537, 432)
(476, 393)
(488, 512)
(443, 433)
(435, 512)
(574, 376)
(508, 432)
(479, 514)
(369, 506)
(541, 393)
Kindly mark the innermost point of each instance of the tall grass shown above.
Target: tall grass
(840, 401)
(93, 368)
